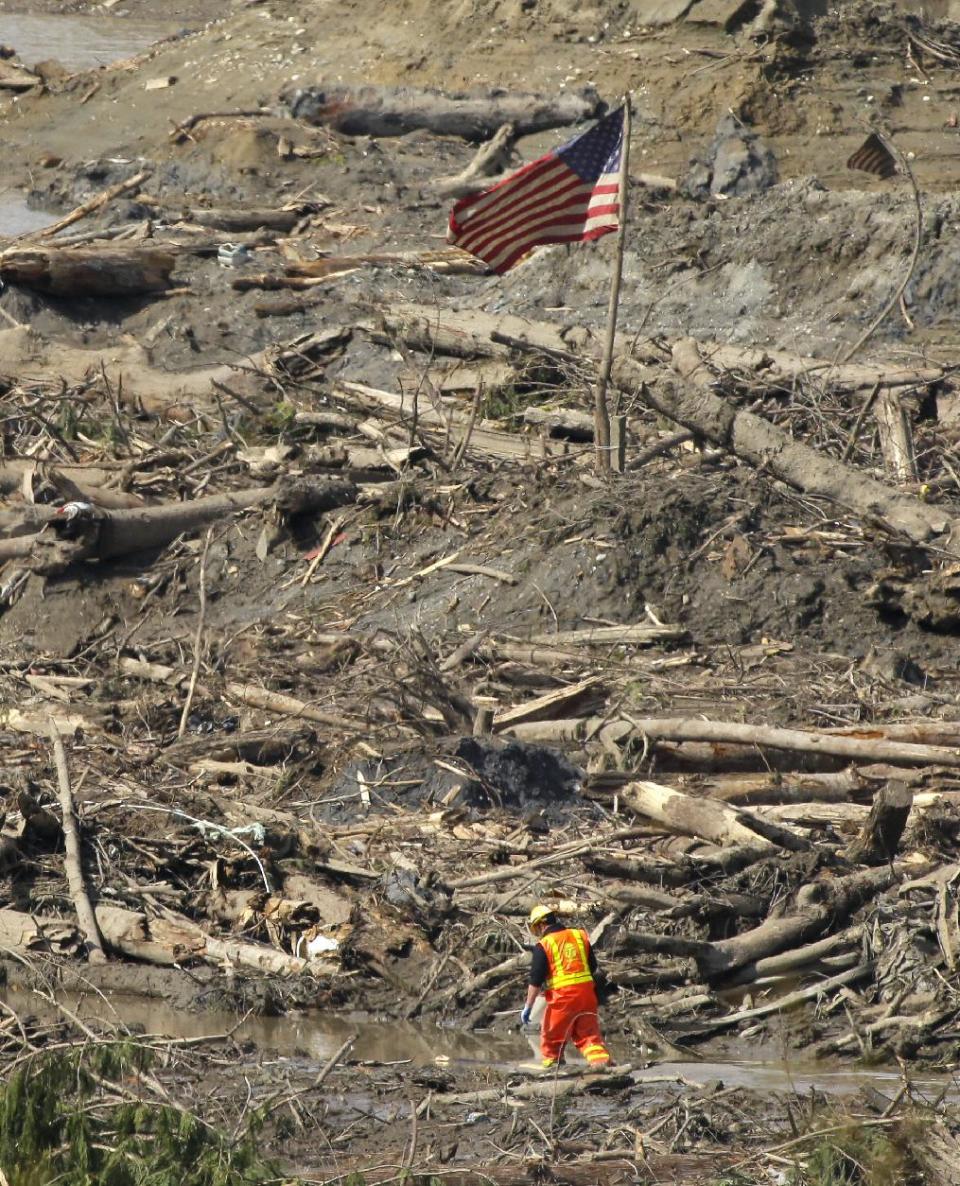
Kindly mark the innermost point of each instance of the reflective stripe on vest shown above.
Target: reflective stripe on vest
(567, 960)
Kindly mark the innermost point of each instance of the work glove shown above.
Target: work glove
(525, 1015)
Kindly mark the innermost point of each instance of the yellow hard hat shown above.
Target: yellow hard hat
(539, 913)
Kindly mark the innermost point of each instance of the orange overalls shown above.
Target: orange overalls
(571, 999)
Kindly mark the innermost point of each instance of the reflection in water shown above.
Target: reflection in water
(315, 1036)
(77, 42)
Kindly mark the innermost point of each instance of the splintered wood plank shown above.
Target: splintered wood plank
(546, 706)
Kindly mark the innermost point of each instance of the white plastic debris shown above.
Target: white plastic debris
(73, 510)
(320, 945)
(256, 833)
(232, 255)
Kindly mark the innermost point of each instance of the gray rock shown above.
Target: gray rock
(736, 163)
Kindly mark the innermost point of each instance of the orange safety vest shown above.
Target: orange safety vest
(567, 958)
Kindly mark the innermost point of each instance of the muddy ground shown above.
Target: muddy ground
(362, 809)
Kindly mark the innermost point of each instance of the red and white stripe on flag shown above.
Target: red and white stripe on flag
(568, 196)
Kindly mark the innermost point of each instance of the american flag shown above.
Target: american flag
(568, 196)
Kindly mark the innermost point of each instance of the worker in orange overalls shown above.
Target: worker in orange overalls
(563, 968)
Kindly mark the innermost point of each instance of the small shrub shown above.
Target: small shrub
(856, 1155)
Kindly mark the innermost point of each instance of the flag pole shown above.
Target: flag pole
(601, 416)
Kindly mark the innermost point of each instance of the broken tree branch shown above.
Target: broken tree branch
(73, 859)
(97, 202)
(198, 640)
(491, 158)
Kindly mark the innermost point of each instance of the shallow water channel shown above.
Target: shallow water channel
(316, 1037)
(77, 42)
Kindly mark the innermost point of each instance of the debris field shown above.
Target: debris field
(329, 651)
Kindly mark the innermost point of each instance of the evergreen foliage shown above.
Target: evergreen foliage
(58, 1123)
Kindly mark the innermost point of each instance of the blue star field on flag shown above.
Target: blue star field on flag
(570, 195)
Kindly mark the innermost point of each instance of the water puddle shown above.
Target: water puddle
(800, 1078)
(78, 42)
(312, 1036)
(17, 218)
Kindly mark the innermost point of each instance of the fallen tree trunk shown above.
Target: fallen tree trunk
(119, 533)
(862, 749)
(36, 720)
(462, 335)
(173, 939)
(399, 408)
(703, 907)
(85, 483)
(669, 873)
(46, 554)
(237, 218)
(395, 111)
(633, 634)
(90, 206)
(447, 261)
(782, 365)
(491, 158)
(765, 789)
(936, 1150)
(815, 814)
(544, 657)
(701, 863)
(800, 957)
(183, 752)
(14, 77)
(896, 437)
(645, 897)
(449, 332)
(692, 403)
(117, 270)
(820, 905)
(782, 1004)
(946, 733)
(704, 818)
(550, 1085)
(289, 706)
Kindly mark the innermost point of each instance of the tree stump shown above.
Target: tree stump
(880, 836)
